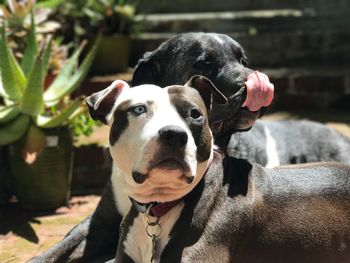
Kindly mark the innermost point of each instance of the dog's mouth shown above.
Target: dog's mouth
(171, 164)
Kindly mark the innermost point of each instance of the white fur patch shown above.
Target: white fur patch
(138, 245)
(271, 150)
(118, 185)
(218, 39)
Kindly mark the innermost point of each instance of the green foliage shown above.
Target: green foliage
(32, 102)
(83, 19)
(82, 125)
(31, 51)
(13, 130)
(19, 16)
(24, 102)
(11, 83)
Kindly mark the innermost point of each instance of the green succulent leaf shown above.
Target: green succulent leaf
(14, 130)
(63, 77)
(18, 72)
(13, 80)
(46, 57)
(66, 83)
(51, 4)
(8, 113)
(32, 101)
(31, 51)
(58, 119)
(2, 91)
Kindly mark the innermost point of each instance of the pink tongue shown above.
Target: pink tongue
(259, 91)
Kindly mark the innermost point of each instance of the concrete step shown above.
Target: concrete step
(187, 6)
(245, 22)
(271, 38)
(273, 49)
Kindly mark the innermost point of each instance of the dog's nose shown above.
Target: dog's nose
(173, 136)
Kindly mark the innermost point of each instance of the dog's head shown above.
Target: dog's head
(160, 137)
(222, 60)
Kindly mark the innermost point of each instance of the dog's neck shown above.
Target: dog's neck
(154, 209)
(137, 234)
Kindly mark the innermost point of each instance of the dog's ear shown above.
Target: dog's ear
(207, 90)
(147, 70)
(101, 103)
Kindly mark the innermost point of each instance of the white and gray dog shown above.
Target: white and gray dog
(221, 59)
(191, 204)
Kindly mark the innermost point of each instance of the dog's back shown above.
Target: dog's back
(306, 216)
(299, 214)
(290, 142)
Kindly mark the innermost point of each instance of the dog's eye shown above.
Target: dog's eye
(243, 61)
(138, 110)
(195, 114)
(202, 63)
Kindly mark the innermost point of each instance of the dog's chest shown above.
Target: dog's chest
(138, 245)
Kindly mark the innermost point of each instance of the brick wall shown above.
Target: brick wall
(311, 89)
(303, 45)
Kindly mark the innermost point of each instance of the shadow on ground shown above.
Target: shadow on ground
(24, 234)
(18, 221)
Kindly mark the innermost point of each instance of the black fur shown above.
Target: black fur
(185, 55)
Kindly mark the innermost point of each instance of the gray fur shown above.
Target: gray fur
(297, 142)
(243, 212)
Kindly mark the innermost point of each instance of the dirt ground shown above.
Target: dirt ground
(24, 234)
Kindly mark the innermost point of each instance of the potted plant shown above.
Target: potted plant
(35, 122)
(17, 16)
(112, 19)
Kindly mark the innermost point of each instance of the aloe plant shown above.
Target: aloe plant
(26, 108)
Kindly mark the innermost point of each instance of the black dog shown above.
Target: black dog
(213, 55)
(216, 56)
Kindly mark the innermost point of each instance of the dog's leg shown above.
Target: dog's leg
(95, 237)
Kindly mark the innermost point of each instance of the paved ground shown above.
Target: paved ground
(24, 234)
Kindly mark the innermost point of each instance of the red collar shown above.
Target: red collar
(154, 209)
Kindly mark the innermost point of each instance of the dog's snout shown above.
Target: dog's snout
(173, 136)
